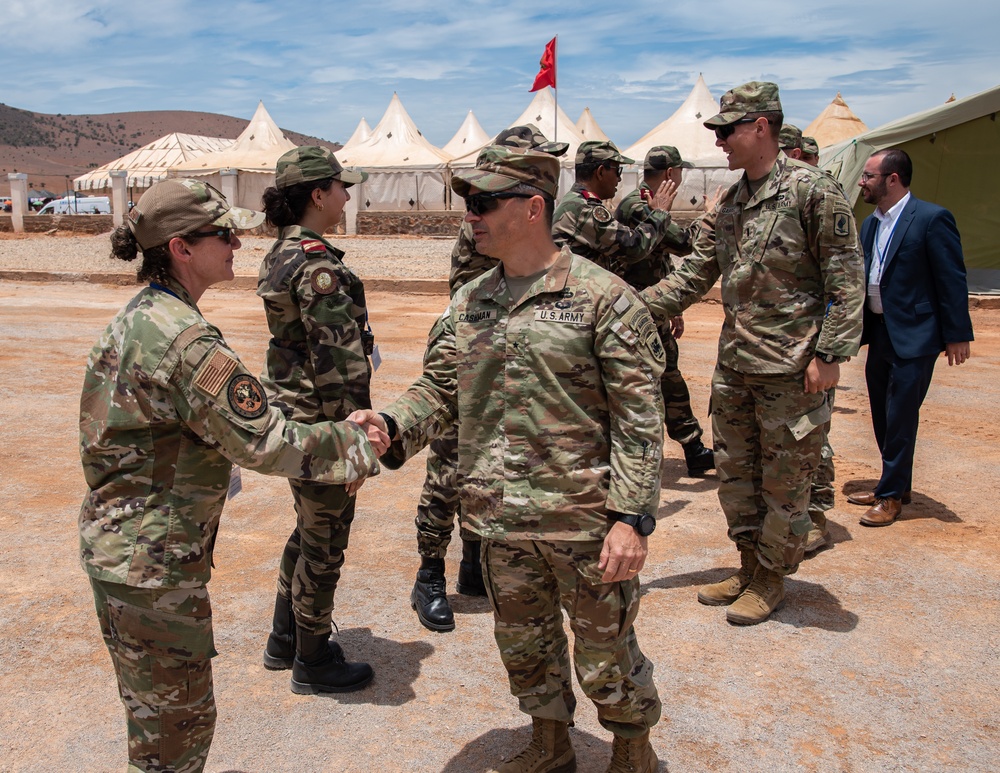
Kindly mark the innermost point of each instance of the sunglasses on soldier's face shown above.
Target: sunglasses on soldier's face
(725, 132)
(226, 234)
(481, 203)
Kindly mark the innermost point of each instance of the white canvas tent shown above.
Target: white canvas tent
(955, 149)
(253, 156)
(469, 138)
(685, 130)
(150, 163)
(588, 125)
(836, 123)
(406, 172)
(361, 132)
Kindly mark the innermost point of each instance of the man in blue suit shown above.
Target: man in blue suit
(916, 306)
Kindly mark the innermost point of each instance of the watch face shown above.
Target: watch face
(646, 525)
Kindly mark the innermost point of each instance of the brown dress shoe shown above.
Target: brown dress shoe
(883, 512)
(868, 498)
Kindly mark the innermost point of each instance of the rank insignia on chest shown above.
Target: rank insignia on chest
(601, 214)
(323, 281)
(246, 396)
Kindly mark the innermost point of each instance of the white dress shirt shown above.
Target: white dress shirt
(883, 235)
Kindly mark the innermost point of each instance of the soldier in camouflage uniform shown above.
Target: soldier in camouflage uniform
(588, 227)
(553, 365)
(784, 241)
(316, 369)
(438, 506)
(167, 409)
(810, 151)
(790, 141)
(663, 163)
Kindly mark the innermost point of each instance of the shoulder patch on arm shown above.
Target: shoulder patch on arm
(601, 214)
(312, 245)
(214, 374)
(840, 224)
(636, 325)
(323, 281)
(246, 396)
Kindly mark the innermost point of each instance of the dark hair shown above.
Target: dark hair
(585, 172)
(286, 206)
(897, 162)
(652, 174)
(550, 203)
(155, 260)
(775, 119)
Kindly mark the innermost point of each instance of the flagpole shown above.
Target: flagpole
(555, 91)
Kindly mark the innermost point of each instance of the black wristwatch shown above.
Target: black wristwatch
(644, 524)
(829, 359)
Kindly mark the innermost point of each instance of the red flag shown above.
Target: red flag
(547, 74)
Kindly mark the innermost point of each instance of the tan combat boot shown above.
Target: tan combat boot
(633, 755)
(550, 750)
(726, 592)
(764, 595)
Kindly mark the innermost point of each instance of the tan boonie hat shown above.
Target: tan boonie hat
(664, 157)
(311, 162)
(810, 147)
(752, 97)
(530, 137)
(789, 137)
(598, 151)
(180, 207)
(500, 168)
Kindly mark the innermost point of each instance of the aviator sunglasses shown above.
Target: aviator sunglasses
(481, 203)
(725, 132)
(226, 234)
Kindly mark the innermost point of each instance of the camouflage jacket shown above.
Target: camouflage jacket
(792, 273)
(166, 409)
(633, 211)
(561, 416)
(316, 365)
(583, 222)
(467, 263)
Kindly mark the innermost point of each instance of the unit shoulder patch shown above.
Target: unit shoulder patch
(601, 214)
(323, 281)
(246, 396)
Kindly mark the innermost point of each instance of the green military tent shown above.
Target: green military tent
(956, 163)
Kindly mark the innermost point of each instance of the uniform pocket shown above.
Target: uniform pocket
(803, 425)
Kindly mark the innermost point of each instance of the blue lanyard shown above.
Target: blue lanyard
(155, 286)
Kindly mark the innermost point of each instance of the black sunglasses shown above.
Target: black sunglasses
(616, 168)
(481, 203)
(226, 234)
(725, 132)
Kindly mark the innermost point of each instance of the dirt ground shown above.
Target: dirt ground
(883, 659)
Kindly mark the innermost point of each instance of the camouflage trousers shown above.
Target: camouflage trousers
(439, 507)
(821, 496)
(161, 645)
(527, 582)
(314, 554)
(768, 445)
(682, 426)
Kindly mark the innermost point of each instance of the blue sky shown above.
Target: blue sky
(319, 71)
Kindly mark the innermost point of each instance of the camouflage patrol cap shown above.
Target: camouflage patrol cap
(530, 137)
(752, 97)
(178, 207)
(810, 147)
(598, 151)
(500, 168)
(664, 157)
(790, 137)
(311, 162)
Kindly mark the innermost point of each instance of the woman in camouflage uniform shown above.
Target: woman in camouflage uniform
(316, 369)
(167, 409)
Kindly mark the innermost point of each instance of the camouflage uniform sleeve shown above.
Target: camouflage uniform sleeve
(467, 263)
(632, 360)
(429, 407)
(695, 277)
(831, 232)
(330, 317)
(221, 402)
(596, 230)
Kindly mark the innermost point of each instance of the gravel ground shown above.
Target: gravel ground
(390, 257)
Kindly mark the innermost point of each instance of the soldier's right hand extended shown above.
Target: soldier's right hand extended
(664, 196)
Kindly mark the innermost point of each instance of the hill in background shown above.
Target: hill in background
(54, 149)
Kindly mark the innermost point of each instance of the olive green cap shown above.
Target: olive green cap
(752, 97)
(809, 146)
(530, 137)
(311, 162)
(598, 151)
(789, 137)
(662, 157)
(500, 168)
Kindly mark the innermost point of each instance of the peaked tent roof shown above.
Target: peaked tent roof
(257, 149)
(150, 163)
(836, 123)
(587, 124)
(540, 112)
(395, 142)
(469, 137)
(685, 130)
(361, 132)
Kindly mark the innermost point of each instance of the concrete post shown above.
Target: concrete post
(228, 182)
(119, 195)
(351, 209)
(18, 199)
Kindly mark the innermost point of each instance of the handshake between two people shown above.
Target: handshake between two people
(377, 433)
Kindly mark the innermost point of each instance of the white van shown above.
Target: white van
(82, 205)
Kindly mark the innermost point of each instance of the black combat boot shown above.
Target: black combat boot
(699, 458)
(470, 570)
(430, 596)
(320, 666)
(280, 650)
